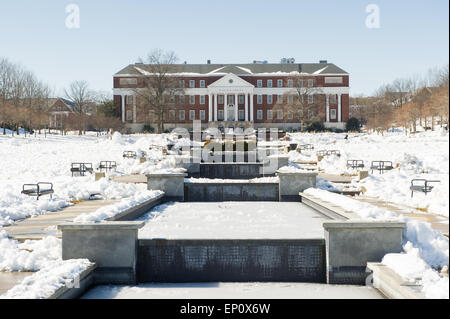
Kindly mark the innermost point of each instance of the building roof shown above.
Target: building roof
(140, 69)
(70, 105)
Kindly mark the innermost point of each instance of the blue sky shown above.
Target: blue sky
(413, 36)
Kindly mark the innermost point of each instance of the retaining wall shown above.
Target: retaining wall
(220, 192)
(231, 170)
(178, 261)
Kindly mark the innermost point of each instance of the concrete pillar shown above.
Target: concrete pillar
(292, 183)
(225, 108)
(111, 245)
(339, 108)
(236, 108)
(123, 108)
(209, 107)
(172, 184)
(246, 97)
(251, 107)
(215, 107)
(328, 107)
(351, 244)
(134, 108)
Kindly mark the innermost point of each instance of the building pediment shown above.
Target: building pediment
(230, 81)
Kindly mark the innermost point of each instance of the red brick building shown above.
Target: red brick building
(244, 95)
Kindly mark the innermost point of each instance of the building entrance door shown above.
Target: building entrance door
(230, 113)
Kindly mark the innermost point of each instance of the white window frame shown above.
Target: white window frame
(172, 115)
(279, 114)
(290, 83)
(259, 83)
(241, 99)
(129, 115)
(220, 99)
(220, 115)
(300, 83)
(182, 99)
(127, 81)
(191, 115)
(129, 99)
(241, 115)
(182, 84)
(202, 115)
(269, 99)
(290, 116)
(333, 114)
(202, 84)
(310, 83)
(192, 84)
(202, 99)
(280, 98)
(259, 99)
(191, 99)
(280, 83)
(290, 99)
(269, 115)
(182, 115)
(310, 99)
(269, 83)
(259, 114)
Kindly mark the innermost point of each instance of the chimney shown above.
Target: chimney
(323, 61)
(208, 62)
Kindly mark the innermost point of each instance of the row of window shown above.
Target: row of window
(241, 98)
(259, 83)
(241, 115)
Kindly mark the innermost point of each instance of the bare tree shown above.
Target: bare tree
(83, 98)
(159, 88)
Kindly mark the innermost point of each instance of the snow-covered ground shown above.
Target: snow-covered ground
(34, 159)
(421, 155)
(233, 291)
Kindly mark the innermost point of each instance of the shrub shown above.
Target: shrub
(148, 129)
(353, 124)
(316, 127)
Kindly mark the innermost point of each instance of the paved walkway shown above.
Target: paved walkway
(333, 178)
(36, 228)
(438, 222)
(10, 279)
(135, 179)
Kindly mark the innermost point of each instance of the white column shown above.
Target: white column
(225, 111)
(246, 107)
(236, 108)
(251, 107)
(328, 107)
(123, 108)
(339, 108)
(134, 108)
(210, 117)
(215, 107)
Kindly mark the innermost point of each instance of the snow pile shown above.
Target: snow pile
(424, 247)
(49, 279)
(423, 155)
(31, 255)
(117, 208)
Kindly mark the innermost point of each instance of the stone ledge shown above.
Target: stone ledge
(86, 281)
(365, 224)
(135, 212)
(156, 175)
(327, 208)
(101, 226)
(392, 285)
(301, 173)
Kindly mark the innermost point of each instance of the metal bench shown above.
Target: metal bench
(421, 185)
(381, 166)
(107, 165)
(306, 147)
(333, 152)
(81, 168)
(129, 154)
(355, 164)
(321, 153)
(39, 189)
